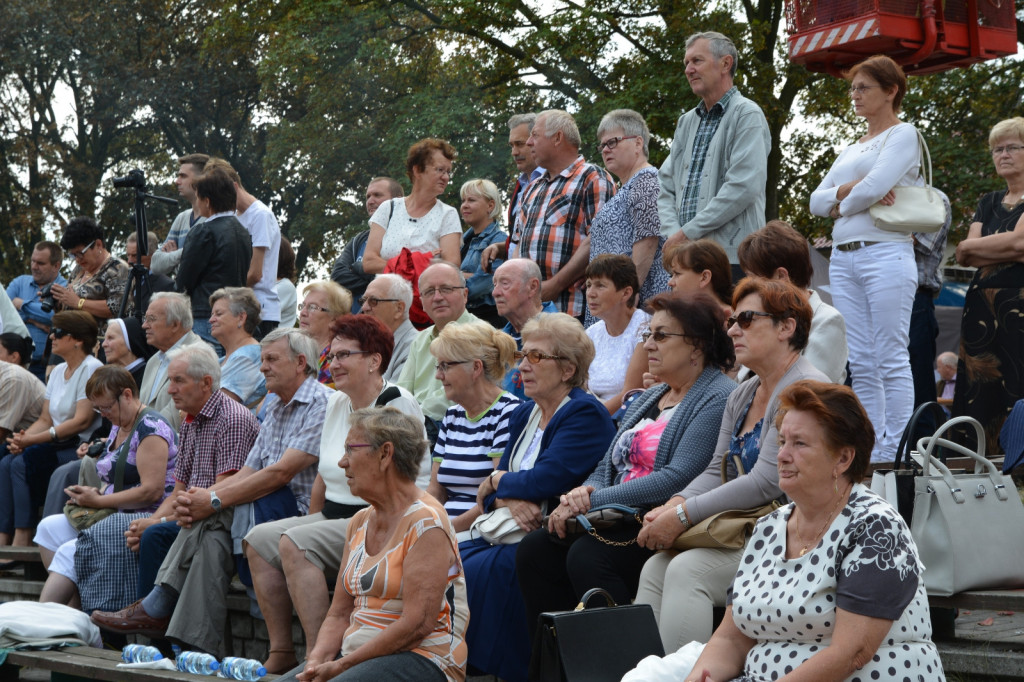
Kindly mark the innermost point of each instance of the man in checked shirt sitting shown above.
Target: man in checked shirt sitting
(188, 604)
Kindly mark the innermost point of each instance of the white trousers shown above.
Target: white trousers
(683, 588)
(56, 534)
(873, 287)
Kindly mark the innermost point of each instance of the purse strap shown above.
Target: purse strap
(981, 465)
(923, 155)
(122, 452)
(589, 529)
(903, 459)
(609, 600)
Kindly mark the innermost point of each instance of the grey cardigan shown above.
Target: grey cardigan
(732, 185)
(685, 448)
(706, 494)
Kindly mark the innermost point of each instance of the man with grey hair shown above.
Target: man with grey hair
(713, 181)
(215, 438)
(443, 292)
(519, 128)
(552, 222)
(348, 269)
(388, 298)
(168, 326)
(188, 603)
(517, 298)
(945, 365)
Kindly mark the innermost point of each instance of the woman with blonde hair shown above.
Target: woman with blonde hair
(472, 360)
(481, 210)
(322, 303)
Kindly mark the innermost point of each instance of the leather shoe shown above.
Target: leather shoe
(131, 620)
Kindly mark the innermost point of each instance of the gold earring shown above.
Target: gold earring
(835, 481)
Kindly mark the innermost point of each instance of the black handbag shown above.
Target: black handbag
(593, 645)
(606, 517)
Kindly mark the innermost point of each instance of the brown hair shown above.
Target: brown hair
(777, 245)
(80, 325)
(618, 269)
(701, 255)
(218, 187)
(110, 381)
(782, 300)
(197, 161)
(840, 415)
(703, 322)
(216, 163)
(886, 73)
(419, 154)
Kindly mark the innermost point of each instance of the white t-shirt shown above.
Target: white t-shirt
(65, 394)
(890, 159)
(289, 302)
(332, 443)
(416, 234)
(612, 354)
(265, 232)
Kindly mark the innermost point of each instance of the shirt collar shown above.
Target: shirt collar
(721, 105)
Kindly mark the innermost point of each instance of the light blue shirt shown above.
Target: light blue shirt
(25, 288)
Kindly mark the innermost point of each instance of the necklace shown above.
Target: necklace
(821, 531)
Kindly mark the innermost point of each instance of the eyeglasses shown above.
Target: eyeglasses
(659, 335)
(150, 319)
(746, 318)
(443, 367)
(78, 255)
(1010, 148)
(343, 355)
(612, 142)
(535, 356)
(103, 409)
(372, 301)
(443, 171)
(349, 447)
(313, 308)
(444, 291)
(59, 333)
(859, 89)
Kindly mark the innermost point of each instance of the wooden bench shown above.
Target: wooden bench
(32, 564)
(86, 663)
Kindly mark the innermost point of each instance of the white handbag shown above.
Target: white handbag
(969, 528)
(497, 527)
(916, 209)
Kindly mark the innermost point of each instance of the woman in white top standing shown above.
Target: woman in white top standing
(874, 277)
(419, 221)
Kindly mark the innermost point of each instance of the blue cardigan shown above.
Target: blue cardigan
(572, 445)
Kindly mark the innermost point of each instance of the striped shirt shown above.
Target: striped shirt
(375, 582)
(554, 217)
(296, 425)
(706, 129)
(467, 448)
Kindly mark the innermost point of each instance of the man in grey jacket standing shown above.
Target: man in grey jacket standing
(713, 181)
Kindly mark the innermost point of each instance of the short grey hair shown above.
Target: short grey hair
(629, 122)
(178, 308)
(240, 300)
(398, 287)
(438, 261)
(200, 361)
(560, 121)
(526, 268)
(948, 359)
(387, 425)
(487, 190)
(299, 343)
(522, 120)
(721, 45)
(151, 240)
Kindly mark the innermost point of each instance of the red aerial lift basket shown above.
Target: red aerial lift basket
(924, 36)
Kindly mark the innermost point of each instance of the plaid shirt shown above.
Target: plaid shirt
(706, 130)
(214, 442)
(554, 216)
(296, 425)
(929, 249)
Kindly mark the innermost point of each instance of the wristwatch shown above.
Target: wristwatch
(681, 513)
(215, 501)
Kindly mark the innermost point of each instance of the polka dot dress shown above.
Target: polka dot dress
(866, 564)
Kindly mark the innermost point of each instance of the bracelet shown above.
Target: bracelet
(53, 433)
(81, 302)
(163, 519)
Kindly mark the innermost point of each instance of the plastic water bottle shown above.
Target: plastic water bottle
(197, 663)
(244, 669)
(138, 653)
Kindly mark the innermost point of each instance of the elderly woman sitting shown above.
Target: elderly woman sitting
(555, 439)
(472, 359)
(813, 597)
(666, 438)
(234, 318)
(399, 608)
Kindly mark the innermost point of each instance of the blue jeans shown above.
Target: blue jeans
(201, 327)
(23, 481)
(153, 546)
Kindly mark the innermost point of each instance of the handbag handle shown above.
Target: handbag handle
(922, 156)
(589, 529)
(903, 459)
(609, 600)
(981, 464)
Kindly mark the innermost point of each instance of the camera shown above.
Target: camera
(135, 178)
(96, 447)
(46, 301)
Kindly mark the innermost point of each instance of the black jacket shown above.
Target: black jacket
(216, 254)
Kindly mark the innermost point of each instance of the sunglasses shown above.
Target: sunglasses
(659, 336)
(535, 356)
(746, 318)
(59, 333)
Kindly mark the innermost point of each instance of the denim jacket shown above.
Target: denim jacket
(481, 283)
